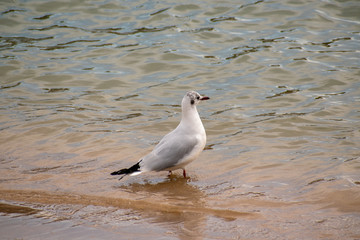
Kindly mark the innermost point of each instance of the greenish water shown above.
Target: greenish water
(88, 87)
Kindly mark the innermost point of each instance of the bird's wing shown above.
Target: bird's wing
(170, 151)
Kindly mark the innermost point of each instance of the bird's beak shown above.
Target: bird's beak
(204, 98)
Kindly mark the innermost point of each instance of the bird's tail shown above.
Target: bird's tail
(134, 170)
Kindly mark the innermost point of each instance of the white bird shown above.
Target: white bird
(177, 148)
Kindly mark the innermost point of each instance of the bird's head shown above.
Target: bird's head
(193, 98)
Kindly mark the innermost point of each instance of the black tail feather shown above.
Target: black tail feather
(127, 171)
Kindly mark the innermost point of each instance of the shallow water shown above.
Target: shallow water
(90, 87)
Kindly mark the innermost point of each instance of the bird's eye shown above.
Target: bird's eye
(197, 97)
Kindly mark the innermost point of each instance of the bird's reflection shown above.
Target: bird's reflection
(182, 204)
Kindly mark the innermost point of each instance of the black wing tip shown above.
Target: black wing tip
(120, 172)
(134, 168)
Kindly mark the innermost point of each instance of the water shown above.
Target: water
(88, 87)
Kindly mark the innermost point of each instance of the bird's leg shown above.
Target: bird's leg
(184, 173)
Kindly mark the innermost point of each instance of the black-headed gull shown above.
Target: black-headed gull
(177, 148)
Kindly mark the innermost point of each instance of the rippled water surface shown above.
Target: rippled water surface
(89, 87)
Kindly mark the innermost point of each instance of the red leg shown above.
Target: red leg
(184, 173)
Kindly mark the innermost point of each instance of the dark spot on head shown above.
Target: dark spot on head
(192, 101)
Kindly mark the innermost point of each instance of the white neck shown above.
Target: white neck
(190, 118)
